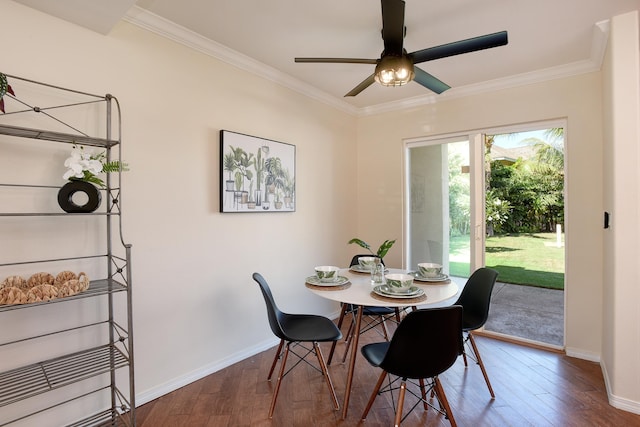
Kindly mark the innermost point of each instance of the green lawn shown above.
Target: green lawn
(525, 259)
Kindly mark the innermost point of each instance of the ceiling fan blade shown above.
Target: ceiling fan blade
(393, 26)
(429, 81)
(463, 46)
(362, 86)
(338, 60)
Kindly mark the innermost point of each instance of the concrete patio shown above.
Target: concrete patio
(535, 314)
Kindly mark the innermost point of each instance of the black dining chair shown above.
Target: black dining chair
(475, 300)
(426, 343)
(296, 330)
(371, 316)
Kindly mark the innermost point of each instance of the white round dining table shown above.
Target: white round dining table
(359, 292)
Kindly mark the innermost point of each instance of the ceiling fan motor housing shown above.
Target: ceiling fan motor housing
(394, 70)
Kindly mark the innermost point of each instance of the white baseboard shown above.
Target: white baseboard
(581, 354)
(176, 383)
(624, 404)
(615, 401)
(518, 340)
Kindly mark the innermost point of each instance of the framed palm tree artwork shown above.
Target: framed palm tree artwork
(256, 174)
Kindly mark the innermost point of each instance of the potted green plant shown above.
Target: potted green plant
(249, 177)
(251, 204)
(278, 202)
(5, 88)
(243, 162)
(229, 164)
(258, 166)
(288, 189)
(382, 250)
(274, 175)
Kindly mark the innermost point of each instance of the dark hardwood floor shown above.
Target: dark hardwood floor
(534, 387)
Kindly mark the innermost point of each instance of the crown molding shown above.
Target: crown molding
(532, 77)
(594, 63)
(599, 41)
(167, 29)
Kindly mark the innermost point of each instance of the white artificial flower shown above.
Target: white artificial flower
(81, 161)
(73, 172)
(93, 166)
(74, 163)
(85, 166)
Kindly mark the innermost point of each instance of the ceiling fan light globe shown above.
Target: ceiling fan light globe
(402, 73)
(386, 77)
(394, 71)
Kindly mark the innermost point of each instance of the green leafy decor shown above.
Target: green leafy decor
(382, 250)
(5, 88)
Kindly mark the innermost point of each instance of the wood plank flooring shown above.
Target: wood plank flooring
(534, 387)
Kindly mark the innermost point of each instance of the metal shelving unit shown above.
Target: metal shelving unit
(95, 370)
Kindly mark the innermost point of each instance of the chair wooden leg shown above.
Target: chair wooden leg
(385, 331)
(280, 375)
(423, 391)
(333, 344)
(479, 359)
(383, 375)
(403, 389)
(464, 357)
(348, 337)
(347, 340)
(275, 359)
(443, 401)
(325, 372)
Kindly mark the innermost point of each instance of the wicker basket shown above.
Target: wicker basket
(42, 287)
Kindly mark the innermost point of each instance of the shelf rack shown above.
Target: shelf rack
(100, 362)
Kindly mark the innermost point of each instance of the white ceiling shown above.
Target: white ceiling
(547, 39)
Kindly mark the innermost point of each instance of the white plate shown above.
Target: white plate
(313, 280)
(384, 291)
(358, 269)
(440, 278)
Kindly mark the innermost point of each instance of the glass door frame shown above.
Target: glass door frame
(476, 191)
(476, 138)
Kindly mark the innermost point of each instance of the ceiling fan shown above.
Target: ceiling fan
(395, 67)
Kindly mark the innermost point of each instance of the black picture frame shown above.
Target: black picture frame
(256, 174)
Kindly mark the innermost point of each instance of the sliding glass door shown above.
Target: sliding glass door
(444, 212)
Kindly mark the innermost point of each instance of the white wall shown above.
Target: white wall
(196, 308)
(577, 99)
(621, 293)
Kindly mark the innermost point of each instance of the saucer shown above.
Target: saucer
(438, 278)
(358, 269)
(313, 280)
(385, 291)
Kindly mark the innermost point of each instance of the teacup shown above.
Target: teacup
(429, 269)
(399, 283)
(327, 273)
(367, 262)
